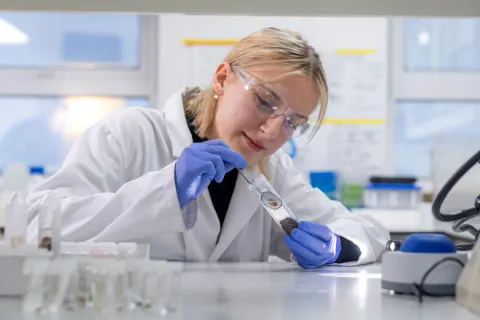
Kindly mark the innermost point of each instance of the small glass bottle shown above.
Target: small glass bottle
(16, 216)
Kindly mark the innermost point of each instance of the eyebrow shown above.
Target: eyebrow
(297, 114)
(278, 98)
(270, 90)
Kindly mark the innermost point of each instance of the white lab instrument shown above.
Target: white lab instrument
(117, 184)
(402, 272)
(16, 216)
(427, 271)
(468, 293)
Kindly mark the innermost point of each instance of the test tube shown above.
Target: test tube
(16, 214)
(154, 284)
(84, 297)
(49, 224)
(136, 269)
(173, 285)
(271, 201)
(57, 283)
(101, 274)
(35, 270)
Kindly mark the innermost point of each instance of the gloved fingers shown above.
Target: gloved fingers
(300, 251)
(231, 158)
(206, 168)
(317, 230)
(202, 185)
(217, 161)
(318, 246)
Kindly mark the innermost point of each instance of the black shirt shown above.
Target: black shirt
(221, 193)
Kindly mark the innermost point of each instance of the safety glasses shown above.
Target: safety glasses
(268, 103)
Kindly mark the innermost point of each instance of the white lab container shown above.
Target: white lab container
(392, 196)
(37, 176)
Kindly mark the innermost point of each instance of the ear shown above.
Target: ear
(221, 74)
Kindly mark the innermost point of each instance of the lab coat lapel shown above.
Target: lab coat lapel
(176, 124)
(180, 137)
(243, 205)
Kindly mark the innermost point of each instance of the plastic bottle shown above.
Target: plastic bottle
(352, 188)
(14, 180)
(37, 175)
(16, 216)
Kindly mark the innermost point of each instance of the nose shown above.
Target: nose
(272, 128)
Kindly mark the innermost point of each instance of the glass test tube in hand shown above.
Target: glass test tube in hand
(271, 201)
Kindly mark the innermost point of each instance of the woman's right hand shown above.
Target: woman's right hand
(200, 163)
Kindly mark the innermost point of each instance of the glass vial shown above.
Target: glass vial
(16, 215)
(49, 224)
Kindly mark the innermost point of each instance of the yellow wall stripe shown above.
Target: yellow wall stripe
(352, 121)
(355, 51)
(209, 42)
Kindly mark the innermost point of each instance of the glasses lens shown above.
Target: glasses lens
(295, 125)
(266, 100)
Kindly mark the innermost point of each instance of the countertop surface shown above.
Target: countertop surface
(280, 291)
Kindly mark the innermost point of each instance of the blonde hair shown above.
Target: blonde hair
(282, 47)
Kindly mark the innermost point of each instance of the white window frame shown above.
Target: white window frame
(138, 82)
(432, 85)
(427, 86)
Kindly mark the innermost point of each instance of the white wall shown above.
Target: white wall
(176, 69)
(323, 33)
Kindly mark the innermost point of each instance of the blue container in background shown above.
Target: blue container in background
(325, 181)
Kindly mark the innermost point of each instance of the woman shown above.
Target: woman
(169, 178)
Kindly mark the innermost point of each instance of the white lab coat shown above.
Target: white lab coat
(117, 184)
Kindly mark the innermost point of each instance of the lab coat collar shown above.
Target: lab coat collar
(243, 205)
(176, 124)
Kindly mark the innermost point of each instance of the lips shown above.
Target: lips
(254, 145)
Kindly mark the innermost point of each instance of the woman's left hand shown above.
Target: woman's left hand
(313, 245)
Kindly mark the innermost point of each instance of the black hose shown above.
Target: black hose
(447, 187)
(460, 217)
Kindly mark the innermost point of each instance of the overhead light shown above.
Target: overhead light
(423, 38)
(9, 34)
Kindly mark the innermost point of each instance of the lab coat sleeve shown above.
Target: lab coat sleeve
(137, 209)
(311, 204)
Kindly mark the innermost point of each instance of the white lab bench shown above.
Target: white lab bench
(282, 291)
